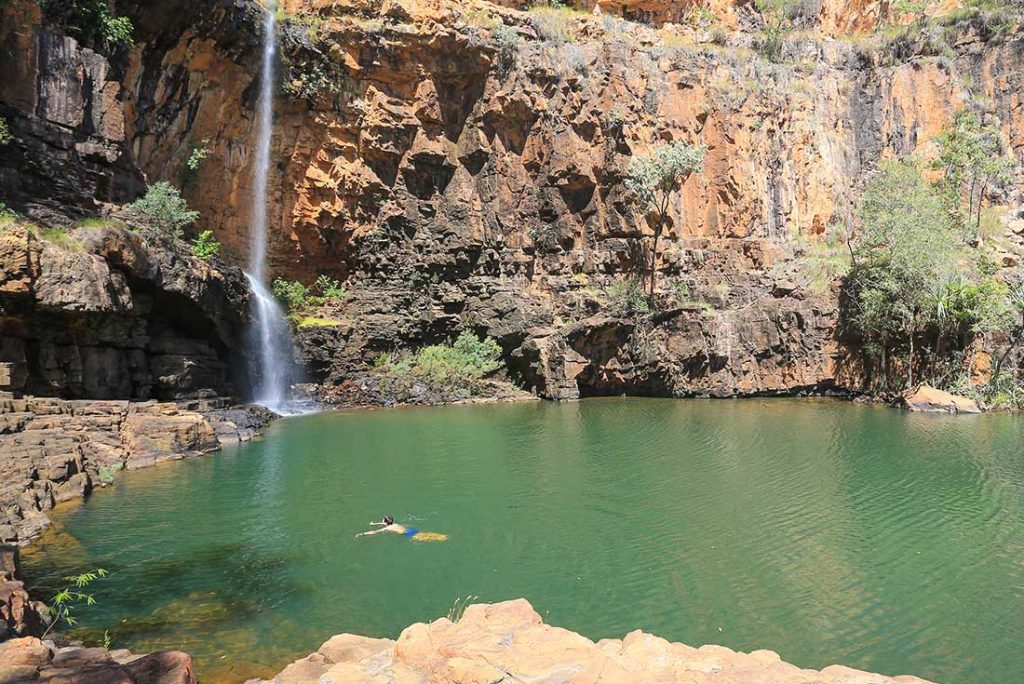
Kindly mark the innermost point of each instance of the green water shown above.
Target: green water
(827, 531)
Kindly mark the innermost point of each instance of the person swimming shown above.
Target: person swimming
(388, 524)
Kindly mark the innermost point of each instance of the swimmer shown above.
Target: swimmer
(388, 524)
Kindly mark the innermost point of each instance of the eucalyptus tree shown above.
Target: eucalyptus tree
(652, 181)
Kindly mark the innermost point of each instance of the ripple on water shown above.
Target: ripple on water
(826, 531)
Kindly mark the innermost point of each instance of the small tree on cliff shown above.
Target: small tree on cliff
(652, 181)
(974, 162)
(162, 210)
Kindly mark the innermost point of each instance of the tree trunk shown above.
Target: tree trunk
(654, 259)
(1014, 341)
(981, 203)
(910, 361)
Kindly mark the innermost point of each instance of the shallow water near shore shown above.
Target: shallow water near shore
(827, 531)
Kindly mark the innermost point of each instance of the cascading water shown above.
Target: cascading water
(273, 367)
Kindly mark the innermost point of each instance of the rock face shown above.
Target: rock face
(103, 315)
(459, 179)
(509, 642)
(932, 400)
(56, 450)
(19, 615)
(64, 106)
(29, 660)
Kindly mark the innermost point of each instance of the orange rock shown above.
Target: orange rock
(930, 399)
(495, 642)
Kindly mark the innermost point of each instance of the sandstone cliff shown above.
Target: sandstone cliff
(100, 314)
(460, 165)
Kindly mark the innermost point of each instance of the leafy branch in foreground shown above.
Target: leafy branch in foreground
(67, 601)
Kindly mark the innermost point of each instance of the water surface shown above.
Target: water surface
(827, 531)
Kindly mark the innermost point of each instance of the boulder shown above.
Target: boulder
(510, 642)
(28, 660)
(928, 399)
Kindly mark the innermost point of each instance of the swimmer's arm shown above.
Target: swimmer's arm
(371, 532)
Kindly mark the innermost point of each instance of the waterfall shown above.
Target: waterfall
(270, 336)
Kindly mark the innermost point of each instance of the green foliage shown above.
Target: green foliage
(555, 22)
(307, 80)
(205, 246)
(91, 22)
(778, 17)
(58, 237)
(771, 41)
(974, 161)
(296, 296)
(106, 474)
(459, 607)
(507, 40)
(823, 261)
(317, 322)
(442, 367)
(198, 153)
(329, 288)
(651, 182)
(913, 279)
(291, 293)
(627, 298)
(162, 210)
(1002, 393)
(67, 600)
(700, 17)
(5, 132)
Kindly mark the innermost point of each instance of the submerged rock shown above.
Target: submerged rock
(931, 400)
(509, 642)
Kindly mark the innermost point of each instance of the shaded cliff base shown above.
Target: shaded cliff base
(508, 642)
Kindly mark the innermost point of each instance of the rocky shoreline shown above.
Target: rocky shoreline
(509, 642)
(59, 450)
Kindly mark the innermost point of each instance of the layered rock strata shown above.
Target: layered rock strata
(508, 642)
(460, 163)
(18, 614)
(99, 313)
(56, 450)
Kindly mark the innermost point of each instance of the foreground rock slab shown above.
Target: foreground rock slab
(928, 399)
(30, 660)
(508, 642)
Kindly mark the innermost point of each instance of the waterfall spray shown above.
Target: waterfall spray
(273, 366)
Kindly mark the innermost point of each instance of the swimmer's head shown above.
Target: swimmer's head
(389, 520)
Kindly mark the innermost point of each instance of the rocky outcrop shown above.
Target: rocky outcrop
(461, 183)
(509, 642)
(64, 105)
(460, 163)
(19, 615)
(27, 660)
(931, 400)
(101, 314)
(56, 450)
